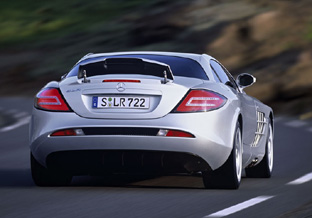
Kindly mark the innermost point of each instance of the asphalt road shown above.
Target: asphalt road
(172, 196)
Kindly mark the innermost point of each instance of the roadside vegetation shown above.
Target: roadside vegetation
(40, 40)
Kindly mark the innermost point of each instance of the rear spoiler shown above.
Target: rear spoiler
(125, 66)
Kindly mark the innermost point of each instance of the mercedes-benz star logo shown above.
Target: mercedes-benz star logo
(121, 87)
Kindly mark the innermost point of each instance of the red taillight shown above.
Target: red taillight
(51, 99)
(65, 132)
(201, 101)
(68, 132)
(121, 81)
(176, 133)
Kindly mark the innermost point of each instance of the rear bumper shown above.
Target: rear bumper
(212, 144)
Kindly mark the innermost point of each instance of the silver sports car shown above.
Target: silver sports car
(150, 113)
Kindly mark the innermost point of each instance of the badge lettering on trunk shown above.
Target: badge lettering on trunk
(121, 87)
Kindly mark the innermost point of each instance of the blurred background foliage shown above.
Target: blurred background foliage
(41, 40)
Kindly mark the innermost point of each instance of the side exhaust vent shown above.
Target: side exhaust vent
(261, 122)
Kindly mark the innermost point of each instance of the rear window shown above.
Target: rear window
(180, 66)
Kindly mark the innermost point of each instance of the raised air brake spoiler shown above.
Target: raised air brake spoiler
(125, 66)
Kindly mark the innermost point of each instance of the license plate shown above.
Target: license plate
(120, 102)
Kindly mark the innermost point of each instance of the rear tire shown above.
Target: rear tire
(229, 175)
(45, 177)
(265, 167)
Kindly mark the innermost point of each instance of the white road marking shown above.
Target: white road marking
(21, 114)
(20, 122)
(240, 206)
(310, 129)
(296, 123)
(303, 179)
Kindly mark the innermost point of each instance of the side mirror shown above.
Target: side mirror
(244, 80)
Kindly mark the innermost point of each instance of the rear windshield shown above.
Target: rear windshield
(180, 66)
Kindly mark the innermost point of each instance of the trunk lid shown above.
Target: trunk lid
(125, 81)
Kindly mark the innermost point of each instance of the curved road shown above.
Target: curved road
(287, 194)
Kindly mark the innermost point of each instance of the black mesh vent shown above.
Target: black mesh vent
(92, 162)
(120, 131)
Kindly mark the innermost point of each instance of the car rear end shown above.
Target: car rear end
(128, 122)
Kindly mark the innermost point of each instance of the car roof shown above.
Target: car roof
(196, 57)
